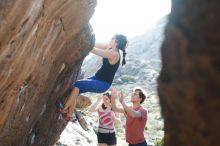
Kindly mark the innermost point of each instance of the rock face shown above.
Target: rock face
(42, 45)
(189, 83)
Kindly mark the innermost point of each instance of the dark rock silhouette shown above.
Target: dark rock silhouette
(189, 83)
(42, 46)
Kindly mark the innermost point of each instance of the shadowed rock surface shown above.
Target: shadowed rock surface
(189, 83)
(42, 46)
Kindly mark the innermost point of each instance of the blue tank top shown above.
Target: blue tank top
(107, 70)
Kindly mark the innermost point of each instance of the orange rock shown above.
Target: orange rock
(42, 46)
(83, 101)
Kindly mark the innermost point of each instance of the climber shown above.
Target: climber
(136, 115)
(107, 119)
(103, 78)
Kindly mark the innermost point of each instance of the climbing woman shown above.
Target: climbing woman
(103, 78)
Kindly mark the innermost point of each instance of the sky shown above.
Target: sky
(128, 17)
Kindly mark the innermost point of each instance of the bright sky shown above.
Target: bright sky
(129, 17)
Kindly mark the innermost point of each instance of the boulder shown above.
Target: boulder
(83, 102)
(42, 46)
(189, 82)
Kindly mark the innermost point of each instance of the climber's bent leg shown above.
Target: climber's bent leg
(91, 84)
(71, 102)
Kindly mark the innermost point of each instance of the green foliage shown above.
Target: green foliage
(128, 78)
(146, 128)
(159, 142)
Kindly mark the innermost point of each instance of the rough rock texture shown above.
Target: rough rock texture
(189, 84)
(42, 45)
(83, 102)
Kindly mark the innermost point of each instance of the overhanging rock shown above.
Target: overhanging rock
(42, 46)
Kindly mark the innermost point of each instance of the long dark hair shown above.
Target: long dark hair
(121, 45)
(109, 96)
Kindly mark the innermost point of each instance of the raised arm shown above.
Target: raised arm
(133, 113)
(114, 94)
(102, 45)
(116, 118)
(112, 55)
(94, 106)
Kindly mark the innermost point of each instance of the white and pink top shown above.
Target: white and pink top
(106, 120)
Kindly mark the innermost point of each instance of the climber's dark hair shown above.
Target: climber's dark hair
(122, 44)
(108, 94)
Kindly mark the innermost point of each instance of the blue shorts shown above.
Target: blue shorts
(92, 84)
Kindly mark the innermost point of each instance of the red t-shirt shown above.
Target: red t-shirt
(135, 127)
